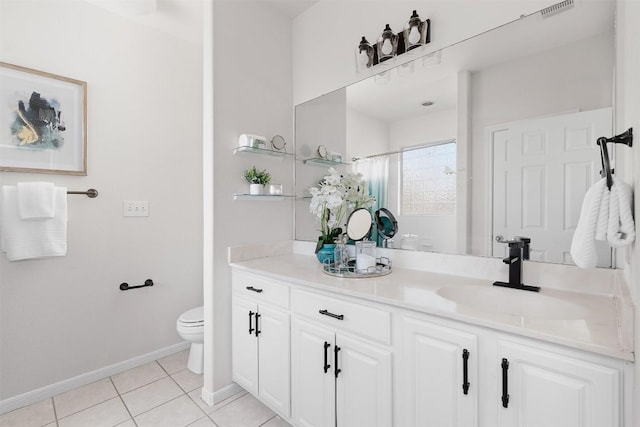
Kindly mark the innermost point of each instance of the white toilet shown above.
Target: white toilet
(190, 326)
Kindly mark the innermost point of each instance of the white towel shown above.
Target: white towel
(32, 239)
(605, 215)
(36, 200)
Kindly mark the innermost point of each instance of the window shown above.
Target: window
(428, 180)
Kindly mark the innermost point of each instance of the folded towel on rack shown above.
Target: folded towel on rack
(36, 200)
(605, 215)
(23, 239)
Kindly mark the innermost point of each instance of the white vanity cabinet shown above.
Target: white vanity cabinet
(547, 389)
(341, 369)
(261, 339)
(439, 369)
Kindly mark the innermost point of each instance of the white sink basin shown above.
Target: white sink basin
(513, 302)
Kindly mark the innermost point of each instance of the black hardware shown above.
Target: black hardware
(90, 193)
(625, 138)
(335, 316)
(465, 371)
(326, 356)
(251, 288)
(258, 331)
(126, 287)
(250, 325)
(518, 251)
(505, 383)
(336, 371)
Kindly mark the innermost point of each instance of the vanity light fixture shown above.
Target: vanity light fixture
(364, 55)
(415, 32)
(387, 44)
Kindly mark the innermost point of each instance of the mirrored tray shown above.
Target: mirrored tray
(382, 268)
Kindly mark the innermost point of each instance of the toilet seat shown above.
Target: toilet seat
(192, 318)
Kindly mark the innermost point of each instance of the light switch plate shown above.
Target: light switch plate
(135, 208)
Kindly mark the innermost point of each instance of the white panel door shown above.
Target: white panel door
(542, 170)
(551, 390)
(363, 384)
(433, 366)
(313, 380)
(245, 344)
(273, 362)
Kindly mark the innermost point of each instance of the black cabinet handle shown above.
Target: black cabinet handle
(251, 288)
(336, 371)
(326, 357)
(505, 383)
(258, 331)
(465, 371)
(250, 325)
(335, 316)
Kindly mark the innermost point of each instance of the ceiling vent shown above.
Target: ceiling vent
(557, 8)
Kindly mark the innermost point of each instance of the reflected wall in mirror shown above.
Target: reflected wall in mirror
(493, 136)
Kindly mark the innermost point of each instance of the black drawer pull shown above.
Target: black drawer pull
(326, 357)
(258, 331)
(251, 288)
(335, 316)
(250, 325)
(465, 371)
(505, 383)
(336, 371)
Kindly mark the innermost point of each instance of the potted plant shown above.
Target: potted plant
(256, 179)
(336, 195)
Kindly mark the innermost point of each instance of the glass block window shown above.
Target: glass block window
(428, 180)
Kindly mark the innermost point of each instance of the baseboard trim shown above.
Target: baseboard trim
(220, 395)
(46, 392)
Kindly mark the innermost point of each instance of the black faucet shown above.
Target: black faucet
(518, 251)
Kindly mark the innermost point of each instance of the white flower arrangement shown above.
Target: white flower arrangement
(336, 195)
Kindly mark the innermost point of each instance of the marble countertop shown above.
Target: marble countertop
(590, 322)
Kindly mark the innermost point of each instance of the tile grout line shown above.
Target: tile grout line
(268, 420)
(124, 403)
(55, 413)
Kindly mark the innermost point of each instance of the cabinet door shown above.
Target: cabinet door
(313, 380)
(434, 360)
(363, 384)
(546, 389)
(244, 344)
(273, 359)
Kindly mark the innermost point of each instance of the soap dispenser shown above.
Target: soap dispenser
(387, 44)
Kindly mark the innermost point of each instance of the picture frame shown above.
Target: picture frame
(43, 122)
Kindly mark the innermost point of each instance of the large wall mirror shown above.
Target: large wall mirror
(491, 137)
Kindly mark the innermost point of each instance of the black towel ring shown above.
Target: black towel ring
(625, 138)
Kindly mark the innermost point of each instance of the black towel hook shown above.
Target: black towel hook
(625, 138)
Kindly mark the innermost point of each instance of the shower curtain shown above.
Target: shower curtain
(375, 172)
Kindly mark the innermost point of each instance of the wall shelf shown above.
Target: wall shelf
(318, 161)
(262, 197)
(261, 151)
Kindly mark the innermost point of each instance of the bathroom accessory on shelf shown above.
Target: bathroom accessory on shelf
(125, 286)
(518, 251)
(624, 138)
(90, 193)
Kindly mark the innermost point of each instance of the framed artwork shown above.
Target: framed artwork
(43, 122)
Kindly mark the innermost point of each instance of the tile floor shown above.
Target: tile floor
(163, 393)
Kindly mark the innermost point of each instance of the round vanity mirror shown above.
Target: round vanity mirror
(359, 224)
(386, 223)
(278, 143)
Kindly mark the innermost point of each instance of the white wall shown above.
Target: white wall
(628, 115)
(253, 94)
(63, 317)
(365, 134)
(546, 84)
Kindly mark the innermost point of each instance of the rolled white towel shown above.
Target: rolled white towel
(621, 228)
(583, 246)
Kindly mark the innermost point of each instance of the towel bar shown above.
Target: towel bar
(91, 193)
